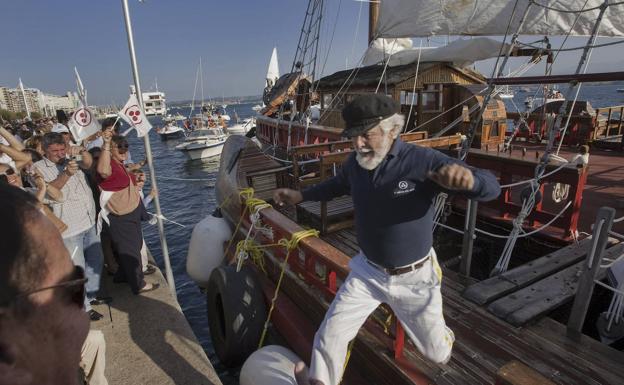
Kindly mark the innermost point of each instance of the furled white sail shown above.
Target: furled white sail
(419, 18)
(462, 53)
(273, 71)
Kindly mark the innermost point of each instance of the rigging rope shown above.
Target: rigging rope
(383, 73)
(290, 245)
(575, 48)
(553, 130)
(409, 114)
(551, 8)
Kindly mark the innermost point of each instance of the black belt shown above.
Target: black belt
(399, 270)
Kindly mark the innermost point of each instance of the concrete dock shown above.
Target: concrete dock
(148, 340)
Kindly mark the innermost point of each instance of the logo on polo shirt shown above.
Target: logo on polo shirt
(403, 187)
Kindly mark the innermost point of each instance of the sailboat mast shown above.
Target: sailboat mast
(373, 15)
(201, 84)
(148, 150)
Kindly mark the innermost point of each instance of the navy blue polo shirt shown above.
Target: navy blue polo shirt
(394, 203)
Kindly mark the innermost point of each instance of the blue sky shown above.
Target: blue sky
(46, 39)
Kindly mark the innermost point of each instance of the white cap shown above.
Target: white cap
(60, 128)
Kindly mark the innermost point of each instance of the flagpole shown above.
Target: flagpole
(21, 86)
(148, 150)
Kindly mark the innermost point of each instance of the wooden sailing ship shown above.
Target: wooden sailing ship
(504, 332)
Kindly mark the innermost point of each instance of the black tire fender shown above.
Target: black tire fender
(236, 313)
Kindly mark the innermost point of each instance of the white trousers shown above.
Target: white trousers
(93, 358)
(414, 297)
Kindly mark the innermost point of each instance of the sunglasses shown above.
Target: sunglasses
(123, 145)
(74, 289)
(9, 171)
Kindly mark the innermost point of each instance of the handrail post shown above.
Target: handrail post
(585, 289)
(469, 230)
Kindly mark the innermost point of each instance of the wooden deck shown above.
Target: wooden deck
(484, 343)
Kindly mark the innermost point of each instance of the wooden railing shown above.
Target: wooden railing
(613, 124)
(508, 205)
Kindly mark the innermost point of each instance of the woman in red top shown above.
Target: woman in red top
(123, 210)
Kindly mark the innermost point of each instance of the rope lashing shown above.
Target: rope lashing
(244, 194)
(249, 248)
(245, 248)
(290, 245)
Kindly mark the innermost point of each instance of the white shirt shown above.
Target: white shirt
(77, 210)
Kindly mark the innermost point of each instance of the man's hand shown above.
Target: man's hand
(76, 150)
(38, 179)
(107, 136)
(71, 168)
(286, 195)
(453, 177)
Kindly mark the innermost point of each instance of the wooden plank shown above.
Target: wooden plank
(514, 279)
(517, 373)
(545, 295)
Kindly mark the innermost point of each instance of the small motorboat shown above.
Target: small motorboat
(204, 146)
(171, 131)
(242, 127)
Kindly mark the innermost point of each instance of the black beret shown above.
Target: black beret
(366, 111)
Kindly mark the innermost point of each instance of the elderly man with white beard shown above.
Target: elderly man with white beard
(393, 185)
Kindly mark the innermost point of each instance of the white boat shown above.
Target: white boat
(205, 146)
(504, 92)
(242, 127)
(257, 107)
(170, 131)
(553, 95)
(154, 103)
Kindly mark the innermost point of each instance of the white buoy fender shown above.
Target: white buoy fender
(270, 365)
(205, 250)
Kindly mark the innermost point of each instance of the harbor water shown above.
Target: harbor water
(187, 194)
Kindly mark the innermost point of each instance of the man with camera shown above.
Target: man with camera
(62, 168)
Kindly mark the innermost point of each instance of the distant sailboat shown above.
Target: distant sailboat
(273, 70)
(270, 80)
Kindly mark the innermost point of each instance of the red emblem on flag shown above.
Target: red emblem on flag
(134, 113)
(83, 117)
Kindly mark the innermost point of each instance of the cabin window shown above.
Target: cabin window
(409, 98)
(432, 97)
(327, 98)
(494, 131)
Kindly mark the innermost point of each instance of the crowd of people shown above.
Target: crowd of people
(90, 191)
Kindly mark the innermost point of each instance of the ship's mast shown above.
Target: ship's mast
(373, 15)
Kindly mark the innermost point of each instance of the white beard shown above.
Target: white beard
(370, 162)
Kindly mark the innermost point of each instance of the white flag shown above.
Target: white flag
(83, 123)
(82, 92)
(134, 116)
